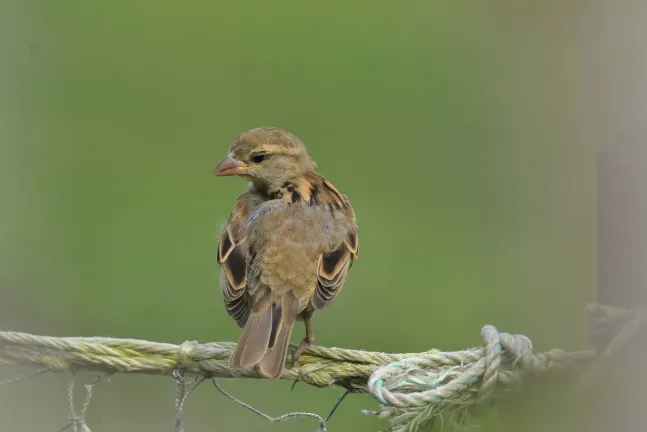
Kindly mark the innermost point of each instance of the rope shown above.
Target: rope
(319, 366)
(415, 390)
(412, 389)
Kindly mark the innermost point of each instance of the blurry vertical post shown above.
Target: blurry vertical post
(622, 211)
(622, 273)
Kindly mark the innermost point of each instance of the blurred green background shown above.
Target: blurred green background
(463, 133)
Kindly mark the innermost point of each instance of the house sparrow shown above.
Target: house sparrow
(286, 249)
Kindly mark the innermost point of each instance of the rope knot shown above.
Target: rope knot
(186, 354)
(424, 385)
(503, 349)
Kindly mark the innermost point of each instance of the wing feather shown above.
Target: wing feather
(334, 264)
(233, 257)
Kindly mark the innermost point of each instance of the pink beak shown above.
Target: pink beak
(229, 166)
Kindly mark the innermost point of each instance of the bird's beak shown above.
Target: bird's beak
(229, 166)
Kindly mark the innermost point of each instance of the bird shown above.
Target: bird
(286, 248)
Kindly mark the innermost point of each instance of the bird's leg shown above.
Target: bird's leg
(307, 341)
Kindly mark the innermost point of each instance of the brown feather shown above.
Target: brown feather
(352, 243)
(272, 364)
(232, 257)
(332, 271)
(225, 245)
(254, 339)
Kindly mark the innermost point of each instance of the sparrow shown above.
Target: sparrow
(285, 250)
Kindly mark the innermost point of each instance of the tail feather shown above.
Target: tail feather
(255, 338)
(276, 324)
(272, 364)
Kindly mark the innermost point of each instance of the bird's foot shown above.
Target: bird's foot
(306, 343)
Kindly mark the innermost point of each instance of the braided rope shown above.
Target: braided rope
(319, 366)
(412, 389)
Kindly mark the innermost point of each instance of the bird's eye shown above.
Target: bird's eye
(259, 157)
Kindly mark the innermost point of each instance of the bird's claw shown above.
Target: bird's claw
(303, 346)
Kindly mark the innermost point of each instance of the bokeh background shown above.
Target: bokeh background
(464, 133)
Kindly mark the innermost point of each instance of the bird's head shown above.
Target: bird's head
(268, 156)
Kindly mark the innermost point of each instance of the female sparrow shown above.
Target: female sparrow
(285, 250)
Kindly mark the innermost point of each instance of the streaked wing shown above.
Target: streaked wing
(332, 271)
(232, 257)
(334, 264)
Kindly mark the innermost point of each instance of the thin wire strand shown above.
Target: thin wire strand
(70, 397)
(89, 389)
(180, 403)
(284, 417)
(64, 428)
(23, 377)
(77, 422)
(334, 408)
(178, 375)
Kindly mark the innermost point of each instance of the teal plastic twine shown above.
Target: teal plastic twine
(413, 391)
